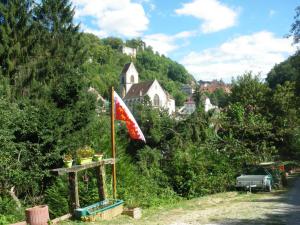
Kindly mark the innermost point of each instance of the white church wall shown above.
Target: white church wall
(131, 72)
(157, 89)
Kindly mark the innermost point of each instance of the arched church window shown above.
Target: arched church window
(156, 100)
(132, 79)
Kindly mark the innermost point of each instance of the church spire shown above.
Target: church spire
(128, 77)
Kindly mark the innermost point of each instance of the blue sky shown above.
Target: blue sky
(213, 39)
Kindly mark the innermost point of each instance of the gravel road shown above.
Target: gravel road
(292, 200)
(230, 208)
(279, 209)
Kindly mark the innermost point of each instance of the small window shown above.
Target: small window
(123, 81)
(132, 79)
(156, 100)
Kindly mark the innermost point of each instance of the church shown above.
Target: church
(133, 91)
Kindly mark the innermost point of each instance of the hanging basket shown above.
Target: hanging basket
(38, 215)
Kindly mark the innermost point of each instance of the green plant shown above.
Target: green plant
(56, 197)
(67, 157)
(85, 152)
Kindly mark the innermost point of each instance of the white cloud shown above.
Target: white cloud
(215, 15)
(272, 13)
(97, 32)
(152, 6)
(258, 53)
(113, 17)
(165, 44)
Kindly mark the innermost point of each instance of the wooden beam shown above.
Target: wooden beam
(100, 171)
(59, 219)
(78, 168)
(113, 146)
(73, 191)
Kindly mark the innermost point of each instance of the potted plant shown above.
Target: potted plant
(98, 156)
(84, 155)
(68, 161)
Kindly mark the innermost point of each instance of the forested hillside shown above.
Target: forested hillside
(47, 66)
(105, 63)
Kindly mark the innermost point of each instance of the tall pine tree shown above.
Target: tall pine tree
(60, 37)
(17, 40)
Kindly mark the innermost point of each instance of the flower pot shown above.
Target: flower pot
(38, 215)
(97, 157)
(82, 161)
(68, 163)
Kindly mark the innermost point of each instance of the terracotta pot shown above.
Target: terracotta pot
(38, 215)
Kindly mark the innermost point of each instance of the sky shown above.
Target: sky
(213, 39)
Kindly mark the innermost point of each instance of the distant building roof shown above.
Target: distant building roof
(126, 67)
(139, 89)
(211, 86)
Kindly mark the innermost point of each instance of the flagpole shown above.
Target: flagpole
(113, 147)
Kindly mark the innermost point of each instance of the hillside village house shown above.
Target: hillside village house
(188, 89)
(188, 108)
(129, 51)
(133, 92)
(212, 86)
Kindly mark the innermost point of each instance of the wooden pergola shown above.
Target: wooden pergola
(73, 180)
(98, 166)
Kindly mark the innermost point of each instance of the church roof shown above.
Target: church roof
(138, 90)
(126, 67)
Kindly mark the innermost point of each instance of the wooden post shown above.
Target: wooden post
(113, 148)
(100, 171)
(73, 189)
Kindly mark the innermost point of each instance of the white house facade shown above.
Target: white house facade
(208, 106)
(129, 51)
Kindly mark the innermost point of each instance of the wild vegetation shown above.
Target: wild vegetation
(46, 68)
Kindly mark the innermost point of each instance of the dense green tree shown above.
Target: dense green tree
(138, 43)
(59, 39)
(249, 91)
(295, 32)
(17, 40)
(219, 97)
(114, 43)
(295, 28)
(285, 119)
(177, 72)
(285, 71)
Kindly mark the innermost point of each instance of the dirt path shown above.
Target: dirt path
(231, 208)
(292, 200)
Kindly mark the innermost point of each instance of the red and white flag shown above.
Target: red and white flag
(123, 113)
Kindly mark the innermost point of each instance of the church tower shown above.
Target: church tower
(128, 77)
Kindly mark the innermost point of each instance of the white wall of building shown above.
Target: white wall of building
(126, 79)
(171, 106)
(164, 101)
(208, 106)
(129, 51)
